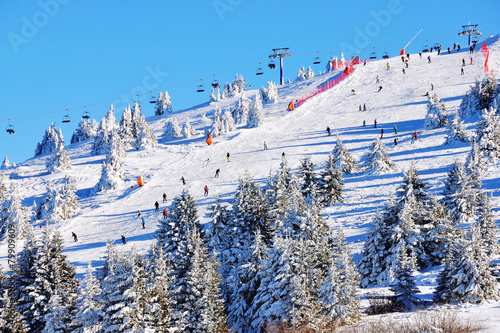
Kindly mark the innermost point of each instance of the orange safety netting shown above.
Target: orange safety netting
(486, 53)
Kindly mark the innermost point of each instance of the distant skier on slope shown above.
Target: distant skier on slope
(124, 241)
(164, 197)
(217, 172)
(183, 180)
(165, 213)
(157, 206)
(75, 237)
(206, 190)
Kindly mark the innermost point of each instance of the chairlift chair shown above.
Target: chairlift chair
(317, 60)
(272, 65)
(215, 83)
(200, 88)
(152, 100)
(385, 55)
(66, 118)
(373, 55)
(426, 47)
(260, 71)
(10, 128)
(86, 114)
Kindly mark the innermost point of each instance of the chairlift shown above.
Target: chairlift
(215, 83)
(86, 114)
(152, 100)
(66, 118)
(385, 55)
(200, 88)
(317, 60)
(272, 65)
(260, 71)
(437, 45)
(373, 55)
(10, 128)
(426, 47)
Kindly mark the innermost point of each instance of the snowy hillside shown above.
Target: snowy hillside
(299, 133)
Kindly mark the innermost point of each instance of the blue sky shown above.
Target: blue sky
(59, 54)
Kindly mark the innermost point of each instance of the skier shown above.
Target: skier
(471, 60)
(404, 72)
(395, 130)
(283, 156)
(406, 64)
(206, 190)
(449, 50)
(432, 86)
(143, 223)
(439, 50)
(124, 241)
(265, 145)
(353, 91)
(462, 71)
(378, 80)
(217, 172)
(157, 206)
(395, 141)
(381, 133)
(360, 108)
(379, 89)
(415, 135)
(408, 56)
(328, 130)
(138, 213)
(165, 213)
(420, 54)
(454, 46)
(183, 180)
(74, 236)
(412, 139)
(428, 59)
(364, 123)
(364, 107)
(403, 58)
(227, 155)
(375, 123)
(164, 197)
(207, 162)
(463, 62)
(388, 66)
(426, 93)
(458, 47)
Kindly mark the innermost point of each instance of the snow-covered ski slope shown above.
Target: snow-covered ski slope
(299, 133)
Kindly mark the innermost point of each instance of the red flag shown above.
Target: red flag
(486, 53)
(402, 52)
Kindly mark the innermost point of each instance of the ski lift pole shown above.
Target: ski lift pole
(403, 49)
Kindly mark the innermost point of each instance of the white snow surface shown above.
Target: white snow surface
(299, 133)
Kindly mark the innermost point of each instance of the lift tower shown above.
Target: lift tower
(280, 53)
(470, 30)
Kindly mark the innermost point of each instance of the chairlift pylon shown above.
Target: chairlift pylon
(200, 87)
(260, 71)
(385, 55)
(271, 65)
(373, 55)
(85, 114)
(317, 60)
(66, 118)
(10, 128)
(152, 100)
(215, 83)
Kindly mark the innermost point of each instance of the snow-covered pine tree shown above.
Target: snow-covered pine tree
(331, 183)
(456, 131)
(437, 233)
(215, 96)
(163, 104)
(144, 137)
(309, 73)
(14, 214)
(437, 115)
(4, 192)
(301, 74)
(466, 276)
(10, 319)
(338, 295)
(188, 130)
(112, 174)
(219, 216)
(84, 131)
(404, 286)
(309, 179)
(343, 159)
(488, 92)
(70, 199)
(376, 158)
(487, 225)
(59, 161)
(50, 208)
(172, 130)
(126, 131)
(240, 112)
(106, 128)
(269, 94)
(57, 318)
(214, 314)
(255, 114)
(227, 124)
(5, 163)
(51, 141)
(488, 134)
(88, 310)
(228, 91)
(475, 163)
(239, 84)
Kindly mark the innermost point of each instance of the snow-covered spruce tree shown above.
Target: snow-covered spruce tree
(53, 272)
(58, 205)
(57, 319)
(437, 115)
(475, 163)
(215, 96)
(214, 315)
(308, 178)
(255, 114)
(126, 131)
(14, 214)
(239, 84)
(144, 137)
(88, 310)
(269, 94)
(106, 128)
(376, 159)
(338, 295)
(309, 73)
(112, 174)
(466, 276)
(331, 183)
(469, 106)
(172, 130)
(488, 92)
(488, 135)
(227, 124)
(5, 163)
(10, 319)
(437, 233)
(456, 131)
(404, 286)
(460, 194)
(227, 92)
(188, 130)
(163, 104)
(59, 161)
(343, 159)
(84, 131)
(70, 199)
(51, 141)
(301, 74)
(487, 226)
(4, 192)
(216, 233)
(240, 112)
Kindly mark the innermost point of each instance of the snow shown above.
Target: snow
(299, 133)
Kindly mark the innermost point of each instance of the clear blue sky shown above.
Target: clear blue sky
(58, 54)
